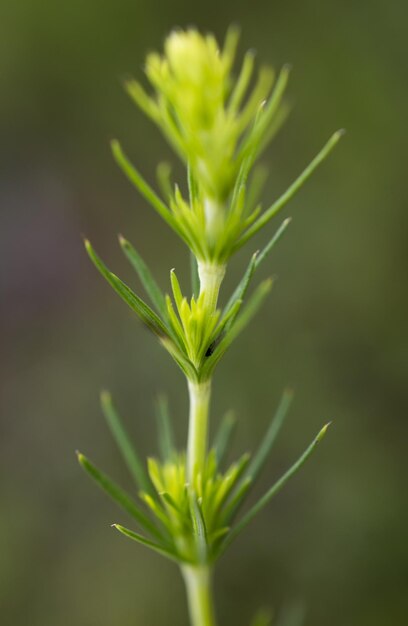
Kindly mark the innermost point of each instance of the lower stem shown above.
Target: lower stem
(199, 594)
(198, 427)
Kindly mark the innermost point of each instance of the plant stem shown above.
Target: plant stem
(211, 277)
(199, 595)
(198, 427)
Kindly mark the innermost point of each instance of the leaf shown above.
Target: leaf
(291, 191)
(241, 84)
(178, 296)
(267, 249)
(151, 287)
(146, 191)
(242, 286)
(231, 509)
(118, 495)
(164, 551)
(268, 111)
(199, 528)
(262, 502)
(261, 455)
(243, 319)
(166, 439)
(223, 436)
(132, 300)
(192, 186)
(195, 281)
(124, 443)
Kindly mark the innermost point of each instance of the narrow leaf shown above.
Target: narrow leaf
(292, 190)
(118, 495)
(266, 250)
(166, 439)
(261, 455)
(195, 281)
(151, 287)
(164, 551)
(242, 321)
(124, 443)
(262, 502)
(175, 285)
(144, 188)
(136, 304)
(199, 528)
(224, 435)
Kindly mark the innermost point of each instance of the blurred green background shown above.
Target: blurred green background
(335, 326)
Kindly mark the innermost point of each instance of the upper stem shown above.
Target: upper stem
(211, 277)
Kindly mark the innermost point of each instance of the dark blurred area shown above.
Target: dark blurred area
(335, 327)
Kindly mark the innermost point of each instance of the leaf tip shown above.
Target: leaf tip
(122, 241)
(105, 396)
(322, 432)
(81, 458)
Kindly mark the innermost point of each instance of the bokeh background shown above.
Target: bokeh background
(335, 543)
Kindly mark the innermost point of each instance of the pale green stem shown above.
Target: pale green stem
(211, 277)
(199, 595)
(198, 427)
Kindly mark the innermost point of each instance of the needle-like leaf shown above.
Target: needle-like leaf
(292, 190)
(224, 435)
(161, 549)
(265, 499)
(261, 455)
(118, 495)
(124, 443)
(132, 300)
(166, 438)
(151, 287)
(147, 192)
(241, 322)
(199, 528)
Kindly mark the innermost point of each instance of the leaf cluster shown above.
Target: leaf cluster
(194, 335)
(188, 523)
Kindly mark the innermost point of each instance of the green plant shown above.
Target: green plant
(189, 506)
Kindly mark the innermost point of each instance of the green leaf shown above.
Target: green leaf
(262, 502)
(241, 322)
(242, 287)
(151, 287)
(261, 455)
(192, 186)
(241, 84)
(268, 111)
(267, 249)
(163, 175)
(199, 528)
(232, 507)
(161, 549)
(178, 296)
(223, 436)
(166, 439)
(146, 191)
(118, 495)
(195, 280)
(291, 191)
(124, 443)
(137, 305)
